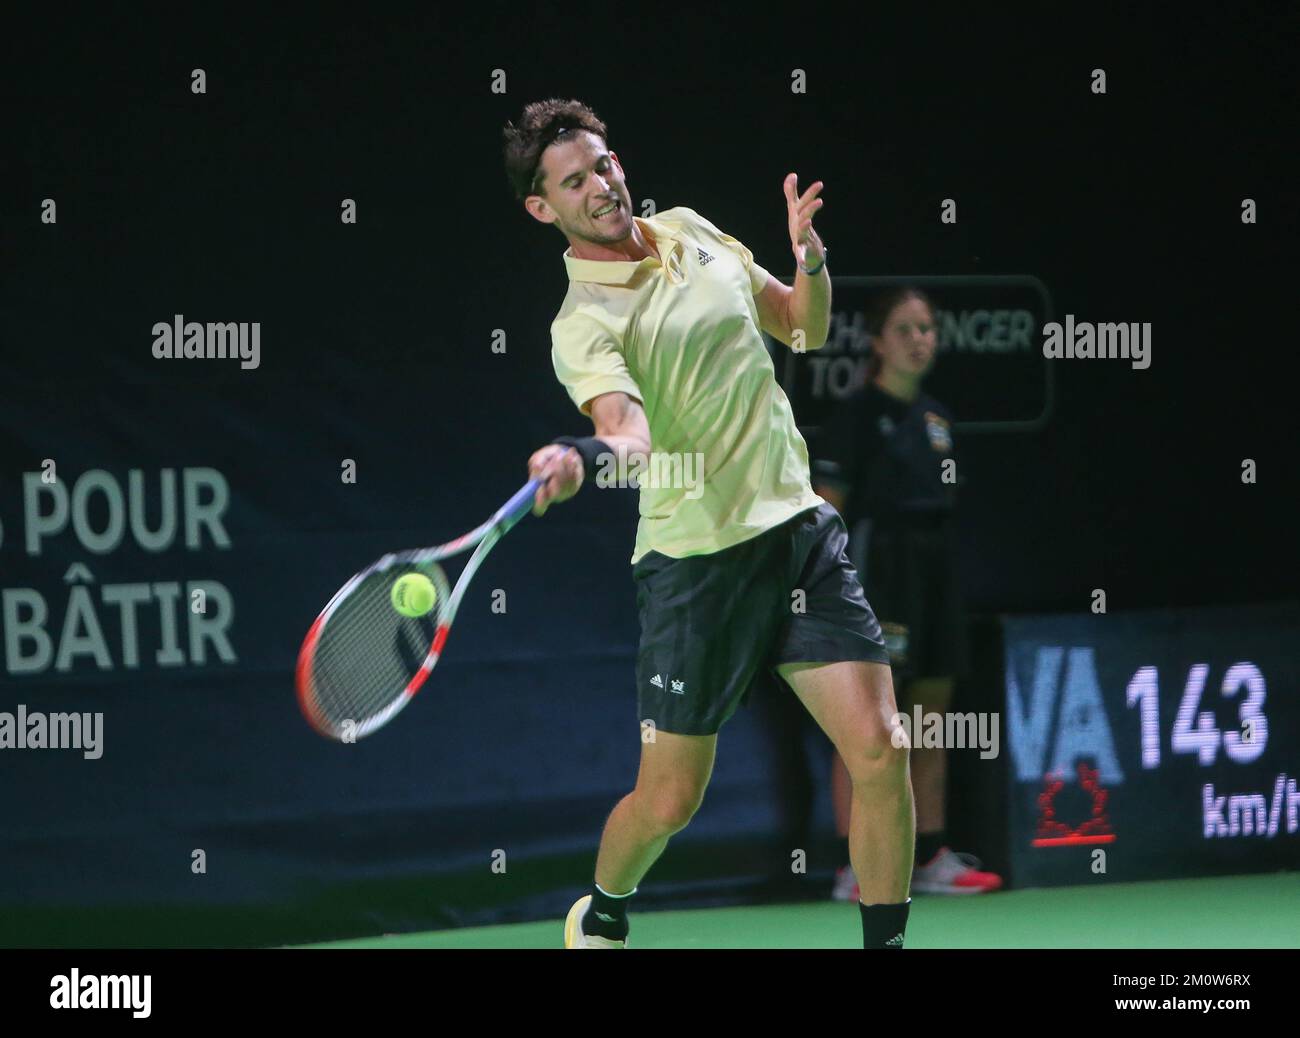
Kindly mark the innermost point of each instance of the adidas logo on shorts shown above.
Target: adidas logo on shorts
(657, 681)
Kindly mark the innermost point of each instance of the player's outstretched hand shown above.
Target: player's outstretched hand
(560, 469)
(805, 243)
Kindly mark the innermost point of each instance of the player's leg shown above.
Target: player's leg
(833, 654)
(706, 622)
(884, 570)
(853, 703)
(929, 775)
(670, 786)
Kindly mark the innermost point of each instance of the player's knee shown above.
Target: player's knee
(880, 758)
(670, 811)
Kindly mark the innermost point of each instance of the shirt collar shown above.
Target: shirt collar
(620, 272)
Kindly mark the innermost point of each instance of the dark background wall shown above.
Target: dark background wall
(376, 346)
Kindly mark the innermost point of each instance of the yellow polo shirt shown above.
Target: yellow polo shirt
(680, 332)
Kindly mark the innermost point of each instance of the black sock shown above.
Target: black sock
(844, 849)
(928, 845)
(614, 910)
(883, 926)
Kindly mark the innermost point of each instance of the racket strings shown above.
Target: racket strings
(368, 652)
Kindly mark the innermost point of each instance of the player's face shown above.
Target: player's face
(582, 180)
(908, 340)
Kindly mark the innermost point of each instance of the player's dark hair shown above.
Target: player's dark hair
(541, 125)
(878, 316)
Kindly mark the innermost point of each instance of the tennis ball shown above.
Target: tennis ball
(413, 594)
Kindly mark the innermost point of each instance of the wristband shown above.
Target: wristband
(590, 448)
(811, 271)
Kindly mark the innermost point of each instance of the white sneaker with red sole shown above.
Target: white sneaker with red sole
(846, 885)
(952, 873)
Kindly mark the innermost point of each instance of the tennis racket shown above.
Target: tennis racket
(363, 661)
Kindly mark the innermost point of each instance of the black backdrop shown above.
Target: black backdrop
(376, 346)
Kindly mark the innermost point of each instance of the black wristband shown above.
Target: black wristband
(590, 447)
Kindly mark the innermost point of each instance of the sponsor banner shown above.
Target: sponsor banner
(1153, 745)
(989, 367)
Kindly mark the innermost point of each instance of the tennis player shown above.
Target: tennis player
(881, 463)
(659, 342)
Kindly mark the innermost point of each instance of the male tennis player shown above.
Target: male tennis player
(659, 342)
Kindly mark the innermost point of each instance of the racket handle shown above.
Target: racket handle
(514, 509)
(517, 507)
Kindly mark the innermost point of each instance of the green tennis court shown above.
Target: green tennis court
(1226, 912)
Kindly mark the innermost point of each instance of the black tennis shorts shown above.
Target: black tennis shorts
(911, 574)
(712, 625)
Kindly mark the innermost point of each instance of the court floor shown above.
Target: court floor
(1261, 911)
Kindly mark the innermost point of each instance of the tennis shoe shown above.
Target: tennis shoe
(952, 873)
(573, 934)
(846, 885)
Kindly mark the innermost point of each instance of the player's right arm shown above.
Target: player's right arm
(620, 423)
(588, 357)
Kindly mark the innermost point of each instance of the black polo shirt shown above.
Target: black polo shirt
(886, 455)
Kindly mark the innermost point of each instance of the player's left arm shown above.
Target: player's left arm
(805, 308)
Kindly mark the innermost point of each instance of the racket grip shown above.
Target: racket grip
(514, 509)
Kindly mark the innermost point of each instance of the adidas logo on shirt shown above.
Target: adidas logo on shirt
(705, 258)
(657, 681)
